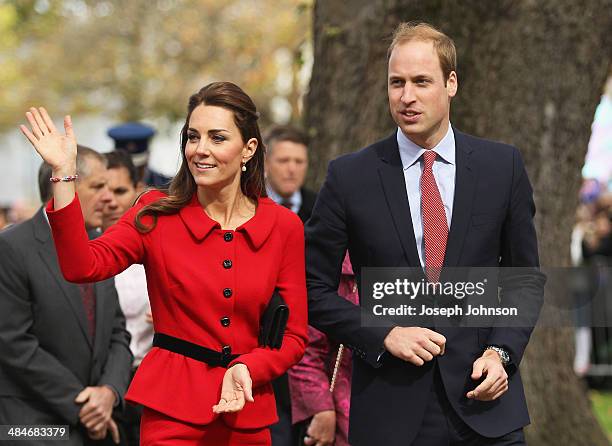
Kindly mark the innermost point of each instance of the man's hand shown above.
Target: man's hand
(414, 344)
(101, 434)
(322, 429)
(496, 381)
(97, 407)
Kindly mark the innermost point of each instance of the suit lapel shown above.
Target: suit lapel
(391, 176)
(47, 252)
(465, 186)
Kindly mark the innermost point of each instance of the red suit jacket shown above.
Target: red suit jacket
(197, 276)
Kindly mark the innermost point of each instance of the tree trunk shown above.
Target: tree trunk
(530, 74)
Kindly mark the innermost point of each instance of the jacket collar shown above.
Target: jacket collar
(42, 231)
(410, 152)
(394, 187)
(257, 229)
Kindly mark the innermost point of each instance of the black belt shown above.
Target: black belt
(194, 351)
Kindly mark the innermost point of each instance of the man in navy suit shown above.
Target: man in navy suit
(427, 196)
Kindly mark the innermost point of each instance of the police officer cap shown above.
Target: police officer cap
(133, 137)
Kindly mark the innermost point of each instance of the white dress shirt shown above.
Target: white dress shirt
(131, 287)
(295, 199)
(444, 169)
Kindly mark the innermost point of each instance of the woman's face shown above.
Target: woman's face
(215, 149)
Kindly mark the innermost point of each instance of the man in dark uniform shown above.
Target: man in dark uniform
(134, 138)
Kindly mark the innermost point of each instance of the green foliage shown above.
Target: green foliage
(142, 58)
(602, 403)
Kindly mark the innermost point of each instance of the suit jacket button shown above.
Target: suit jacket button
(227, 292)
(228, 236)
(225, 321)
(227, 264)
(226, 350)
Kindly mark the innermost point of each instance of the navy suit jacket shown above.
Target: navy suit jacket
(363, 207)
(308, 200)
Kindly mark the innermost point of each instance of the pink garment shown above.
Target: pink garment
(309, 380)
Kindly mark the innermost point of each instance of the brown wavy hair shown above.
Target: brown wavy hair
(182, 187)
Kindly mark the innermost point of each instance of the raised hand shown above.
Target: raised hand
(58, 150)
(235, 390)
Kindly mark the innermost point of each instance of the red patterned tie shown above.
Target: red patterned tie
(435, 227)
(88, 294)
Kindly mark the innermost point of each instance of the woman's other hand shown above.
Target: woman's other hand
(237, 388)
(58, 150)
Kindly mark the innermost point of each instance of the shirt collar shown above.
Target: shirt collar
(257, 229)
(411, 152)
(295, 199)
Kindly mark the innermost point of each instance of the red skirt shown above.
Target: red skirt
(157, 429)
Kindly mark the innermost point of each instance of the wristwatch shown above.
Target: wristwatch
(503, 354)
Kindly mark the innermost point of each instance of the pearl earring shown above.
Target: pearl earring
(244, 166)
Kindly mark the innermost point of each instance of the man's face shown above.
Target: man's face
(286, 167)
(123, 194)
(419, 96)
(93, 192)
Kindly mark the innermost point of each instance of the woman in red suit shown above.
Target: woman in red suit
(214, 249)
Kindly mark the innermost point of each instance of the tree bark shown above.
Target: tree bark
(530, 74)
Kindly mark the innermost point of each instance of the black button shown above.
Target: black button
(228, 236)
(227, 264)
(225, 321)
(226, 350)
(227, 292)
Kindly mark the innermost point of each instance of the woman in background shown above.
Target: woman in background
(319, 409)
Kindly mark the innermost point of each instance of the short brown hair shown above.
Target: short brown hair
(421, 31)
(120, 158)
(280, 133)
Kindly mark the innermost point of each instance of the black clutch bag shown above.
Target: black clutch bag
(274, 322)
